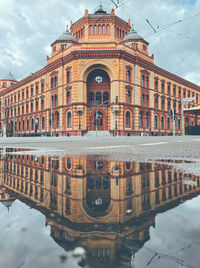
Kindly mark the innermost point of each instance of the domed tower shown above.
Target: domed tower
(100, 27)
(134, 40)
(62, 42)
(7, 81)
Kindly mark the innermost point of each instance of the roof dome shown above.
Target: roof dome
(9, 76)
(66, 36)
(132, 35)
(100, 10)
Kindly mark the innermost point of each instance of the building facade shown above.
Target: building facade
(100, 77)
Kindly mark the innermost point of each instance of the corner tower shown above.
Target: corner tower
(100, 26)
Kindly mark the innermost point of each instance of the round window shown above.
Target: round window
(98, 79)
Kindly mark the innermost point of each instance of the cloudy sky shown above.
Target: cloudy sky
(28, 27)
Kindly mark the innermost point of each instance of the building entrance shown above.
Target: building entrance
(98, 95)
(98, 120)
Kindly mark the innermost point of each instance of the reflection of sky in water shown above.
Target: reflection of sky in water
(26, 242)
(174, 230)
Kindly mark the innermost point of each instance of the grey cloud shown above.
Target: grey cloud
(28, 27)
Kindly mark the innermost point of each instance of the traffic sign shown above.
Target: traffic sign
(186, 100)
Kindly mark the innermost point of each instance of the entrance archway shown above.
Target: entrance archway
(98, 98)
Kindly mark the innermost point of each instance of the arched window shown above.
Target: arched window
(99, 29)
(162, 87)
(142, 100)
(128, 119)
(146, 120)
(69, 163)
(168, 123)
(91, 98)
(143, 80)
(68, 77)
(162, 122)
(32, 124)
(128, 93)
(98, 98)
(43, 124)
(156, 85)
(19, 126)
(174, 91)
(147, 100)
(69, 123)
(23, 125)
(90, 29)
(95, 29)
(179, 124)
(117, 32)
(156, 102)
(105, 97)
(31, 92)
(155, 122)
(57, 119)
(107, 28)
(168, 89)
(68, 97)
(147, 81)
(42, 104)
(55, 81)
(56, 100)
(141, 120)
(163, 104)
(27, 125)
(42, 87)
(103, 29)
(36, 106)
(52, 84)
(128, 76)
(169, 105)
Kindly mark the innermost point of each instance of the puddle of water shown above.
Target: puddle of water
(124, 214)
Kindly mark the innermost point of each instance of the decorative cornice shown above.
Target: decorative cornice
(68, 87)
(129, 87)
(128, 67)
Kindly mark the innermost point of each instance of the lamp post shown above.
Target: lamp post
(79, 111)
(50, 101)
(116, 111)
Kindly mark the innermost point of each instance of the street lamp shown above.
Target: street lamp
(79, 111)
(51, 101)
(116, 111)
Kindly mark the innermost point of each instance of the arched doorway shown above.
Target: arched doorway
(98, 119)
(98, 98)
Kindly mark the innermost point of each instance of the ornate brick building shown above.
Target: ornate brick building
(101, 77)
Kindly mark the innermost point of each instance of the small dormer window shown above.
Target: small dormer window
(144, 47)
(54, 49)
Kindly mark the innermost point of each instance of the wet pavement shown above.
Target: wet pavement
(92, 211)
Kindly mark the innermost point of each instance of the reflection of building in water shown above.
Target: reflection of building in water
(105, 206)
(5, 198)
